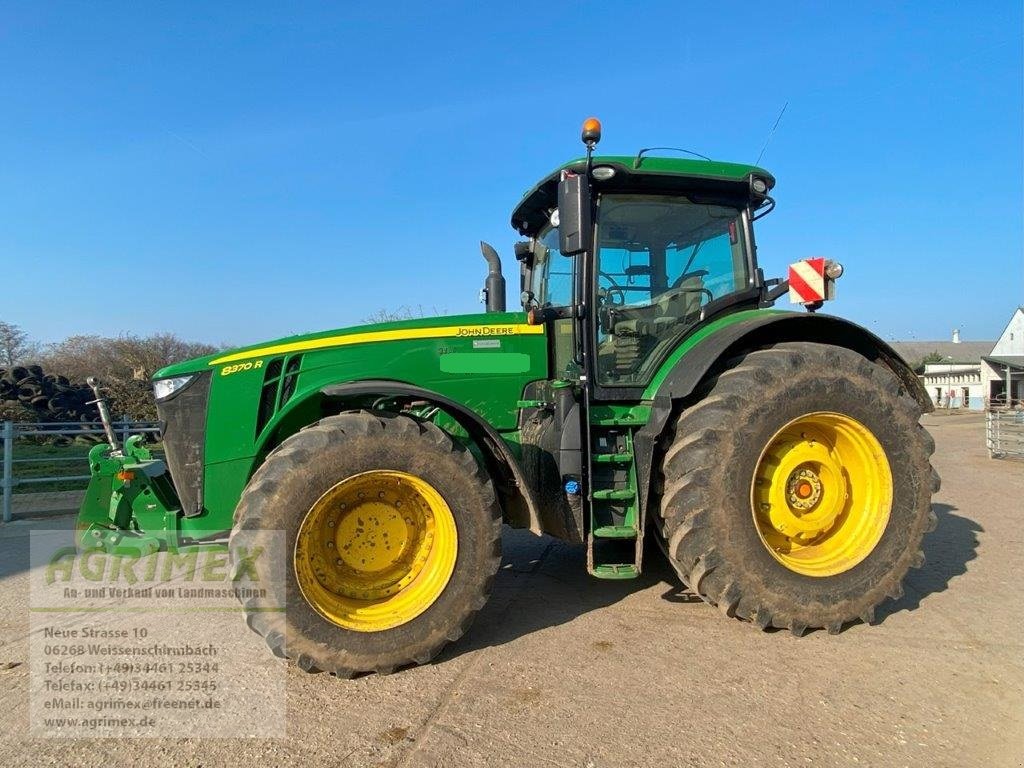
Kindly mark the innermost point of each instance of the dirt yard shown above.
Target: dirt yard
(563, 670)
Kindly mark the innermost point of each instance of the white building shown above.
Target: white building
(954, 385)
(953, 375)
(1002, 370)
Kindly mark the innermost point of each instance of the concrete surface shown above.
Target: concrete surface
(563, 670)
(46, 503)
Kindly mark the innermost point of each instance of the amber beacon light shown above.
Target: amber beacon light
(591, 131)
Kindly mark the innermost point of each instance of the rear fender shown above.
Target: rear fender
(756, 332)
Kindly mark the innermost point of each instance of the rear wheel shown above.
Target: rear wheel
(393, 536)
(797, 490)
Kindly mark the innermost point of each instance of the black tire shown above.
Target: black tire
(706, 519)
(303, 468)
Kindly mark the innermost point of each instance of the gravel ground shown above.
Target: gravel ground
(563, 670)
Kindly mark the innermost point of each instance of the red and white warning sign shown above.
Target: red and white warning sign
(808, 282)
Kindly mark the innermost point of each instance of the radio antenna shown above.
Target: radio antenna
(771, 133)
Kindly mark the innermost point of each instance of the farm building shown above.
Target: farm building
(951, 371)
(1002, 369)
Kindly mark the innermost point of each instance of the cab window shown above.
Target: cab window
(659, 261)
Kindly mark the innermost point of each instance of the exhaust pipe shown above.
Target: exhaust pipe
(494, 286)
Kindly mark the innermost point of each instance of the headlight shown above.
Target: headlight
(164, 388)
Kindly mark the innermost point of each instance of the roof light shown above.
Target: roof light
(591, 131)
(603, 172)
(759, 186)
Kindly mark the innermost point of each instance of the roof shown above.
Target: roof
(665, 174)
(963, 352)
(1014, 361)
(1009, 323)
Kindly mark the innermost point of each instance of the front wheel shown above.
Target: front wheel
(797, 489)
(393, 537)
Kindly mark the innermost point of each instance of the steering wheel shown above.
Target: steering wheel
(612, 289)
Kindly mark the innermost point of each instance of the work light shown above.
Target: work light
(164, 388)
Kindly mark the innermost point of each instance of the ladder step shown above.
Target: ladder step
(615, 571)
(615, 532)
(617, 494)
(615, 421)
(612, 458)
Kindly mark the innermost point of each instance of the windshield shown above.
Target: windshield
(659, 260)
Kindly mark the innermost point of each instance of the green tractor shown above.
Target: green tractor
(645, 388)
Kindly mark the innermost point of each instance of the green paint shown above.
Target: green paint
(485, 362)
(680, 167)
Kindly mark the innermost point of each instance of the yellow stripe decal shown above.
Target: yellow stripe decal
(405, 334)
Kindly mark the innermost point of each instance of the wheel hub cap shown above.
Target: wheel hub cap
(376, 550)
(822, 494)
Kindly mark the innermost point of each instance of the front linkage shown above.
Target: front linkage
(129, 492)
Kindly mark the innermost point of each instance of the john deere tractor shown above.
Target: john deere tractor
(645, 388)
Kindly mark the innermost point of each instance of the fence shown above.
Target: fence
(17, 438)
(1004, 432)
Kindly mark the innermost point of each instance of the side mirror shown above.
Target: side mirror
(574, 222)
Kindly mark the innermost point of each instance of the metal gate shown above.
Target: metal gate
(1004, 432)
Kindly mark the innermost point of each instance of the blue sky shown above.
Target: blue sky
(237, 172)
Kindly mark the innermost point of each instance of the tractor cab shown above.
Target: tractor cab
(627, 255)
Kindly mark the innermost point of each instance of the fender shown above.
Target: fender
(756, 331)
(517, 501)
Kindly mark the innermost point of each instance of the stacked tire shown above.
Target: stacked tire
(49, 397)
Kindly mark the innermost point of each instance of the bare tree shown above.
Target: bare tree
(125, 364)
(404, 312)
(124, 358)
(15, 346)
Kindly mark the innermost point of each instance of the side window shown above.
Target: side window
(718, 261)
(551, 285)
(625, 276)
(660, 260)
(552, 272)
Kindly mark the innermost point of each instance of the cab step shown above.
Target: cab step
(614, 541)
(615, 571)
(613, 494)
(612, 458)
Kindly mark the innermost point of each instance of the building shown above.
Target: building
(951, 371)
(1002, 369)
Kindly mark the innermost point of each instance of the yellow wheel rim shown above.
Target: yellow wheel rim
(822, 494)
(376, 550)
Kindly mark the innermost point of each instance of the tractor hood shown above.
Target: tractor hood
(482, 325)
(220, 410)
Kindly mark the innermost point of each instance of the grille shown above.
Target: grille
(184, 435)
(279, 382)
